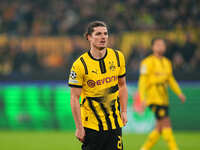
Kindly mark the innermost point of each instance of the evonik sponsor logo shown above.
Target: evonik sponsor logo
(92, 83)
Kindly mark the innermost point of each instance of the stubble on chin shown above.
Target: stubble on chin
(100, 48)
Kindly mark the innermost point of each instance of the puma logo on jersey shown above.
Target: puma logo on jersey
(94, 71)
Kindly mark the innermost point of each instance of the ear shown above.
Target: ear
(89, 37)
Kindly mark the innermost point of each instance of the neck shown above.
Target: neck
(158, 55)
(98, 54)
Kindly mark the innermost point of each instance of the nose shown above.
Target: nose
(103, 36)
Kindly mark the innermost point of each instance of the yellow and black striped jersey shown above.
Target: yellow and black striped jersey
(155, 76)
(98, 78)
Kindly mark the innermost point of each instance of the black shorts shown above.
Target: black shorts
(160, 111)
(104, 140)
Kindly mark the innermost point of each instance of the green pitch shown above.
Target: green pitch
(67, 141)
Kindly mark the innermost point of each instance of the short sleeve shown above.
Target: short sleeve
(144, 68)
(122, 70)
(76, 76)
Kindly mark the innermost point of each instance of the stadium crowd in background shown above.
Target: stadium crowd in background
(15, 60)
(26, 18)
(185, 58)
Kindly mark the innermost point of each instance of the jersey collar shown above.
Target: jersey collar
(89, 53)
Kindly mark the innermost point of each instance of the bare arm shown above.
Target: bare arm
(76, 112)
(123, 96)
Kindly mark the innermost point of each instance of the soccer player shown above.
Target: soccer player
(98, 77)
(155, 76)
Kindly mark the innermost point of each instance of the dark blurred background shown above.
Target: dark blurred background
(40, 39)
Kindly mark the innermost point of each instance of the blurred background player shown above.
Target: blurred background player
(98, 76)
(155, 76)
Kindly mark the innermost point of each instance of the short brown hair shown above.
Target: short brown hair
(157, 38)
(92, 25)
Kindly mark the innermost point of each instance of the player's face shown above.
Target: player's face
(99, 38)
(159, 47)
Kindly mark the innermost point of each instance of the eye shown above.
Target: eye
(98, 33)
(105, 33)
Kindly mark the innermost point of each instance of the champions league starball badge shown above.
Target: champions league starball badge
(73, 75)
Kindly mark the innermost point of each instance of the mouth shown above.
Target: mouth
(102, 42)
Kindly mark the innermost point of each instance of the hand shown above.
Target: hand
(182, 98)
(124, 117)
(80, 134)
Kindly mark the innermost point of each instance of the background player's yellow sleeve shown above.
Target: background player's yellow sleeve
(142, 85)
(122, 71)
(173, 83)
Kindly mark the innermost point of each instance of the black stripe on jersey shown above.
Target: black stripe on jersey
(83, 101)
(106, 116)
(113, 89)
(84, 64)
(117, 56)
(96, 115)
(121, 76)
(102, 66)
(77, 86)
(114, 114)
(110, 90)
(97, 99)
(118, 103)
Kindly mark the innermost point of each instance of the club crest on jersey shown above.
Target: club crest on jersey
(92, 83)
(112, 67)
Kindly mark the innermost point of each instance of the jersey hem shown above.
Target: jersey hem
(121, 76)
(77, 86)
